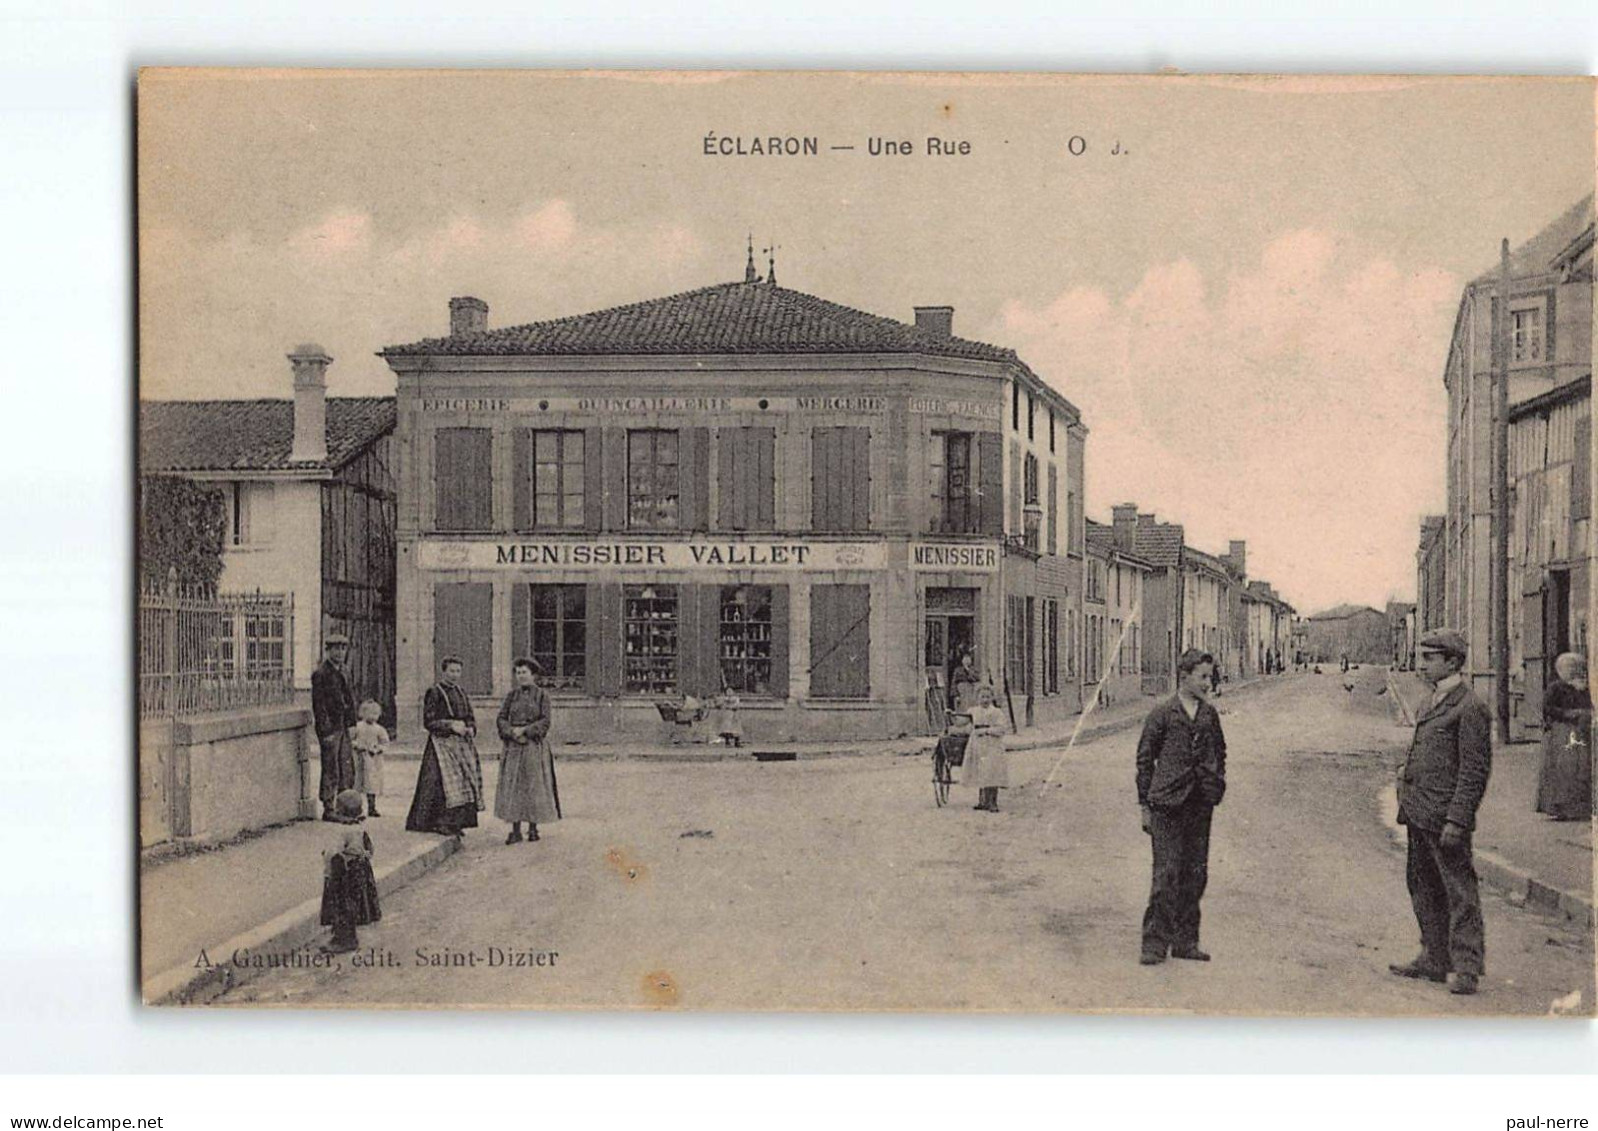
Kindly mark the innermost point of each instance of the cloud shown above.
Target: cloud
(337, 234)
(1295, 402)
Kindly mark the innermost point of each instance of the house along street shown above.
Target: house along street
(824, 883)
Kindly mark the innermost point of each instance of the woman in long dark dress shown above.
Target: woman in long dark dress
(1564, 784)
(449, 788)
(526, 790)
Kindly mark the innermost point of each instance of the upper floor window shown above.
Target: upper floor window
(746, 474)
(1031, 417)
(555, 469)
(1526, 334)
(950, 470)
(1032, 516)
(653, 479)
(840, 478)
(1051, 429)
(1095, 580)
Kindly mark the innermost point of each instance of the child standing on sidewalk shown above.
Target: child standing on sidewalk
(349, 890)
(370, 742)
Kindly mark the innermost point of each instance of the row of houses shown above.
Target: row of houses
(1546, 350)
(742, 488)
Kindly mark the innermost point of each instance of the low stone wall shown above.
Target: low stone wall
(237, 771)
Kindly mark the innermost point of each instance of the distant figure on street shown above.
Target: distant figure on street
(349, 889)
(449, 788)
(1181, 777)
(526, 790)
(1564, 784)
(987, 762)
(333, 712)
(1440, 787)
(963, 683)
(371, 740)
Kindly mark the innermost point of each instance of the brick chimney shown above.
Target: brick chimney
(310, 362)
(1237, 554)
(467, 315)
(1125, 524)
(935, 320)
(1145, 521)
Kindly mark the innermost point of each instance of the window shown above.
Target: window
(1051, 429)
(1015, 644)
(1053, 510)
(652, 479)
(1117, 585)
(1031, 417)
(556, 480)
(746, 475)
(1051, 646)
(1526, 334)
(560, 633)
(238, 523)
(951, 479)
(746, 639)
(1032, 515)
(840, 479)
(463, 479)
(1015, 407)
(649, 640)
(1095, 580)
(1073, 544)
(1070, 642)
(840, 641)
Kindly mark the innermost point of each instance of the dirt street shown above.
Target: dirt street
(837, 883)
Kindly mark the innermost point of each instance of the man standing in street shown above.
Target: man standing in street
(1439, 788)
(333, 709)
(1181, 777)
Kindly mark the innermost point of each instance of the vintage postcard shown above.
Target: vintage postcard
(826, 541)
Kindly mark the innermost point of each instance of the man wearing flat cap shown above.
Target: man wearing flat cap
(1440, 787)
(333, 709)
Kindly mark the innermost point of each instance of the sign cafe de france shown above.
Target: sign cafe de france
(740, 488)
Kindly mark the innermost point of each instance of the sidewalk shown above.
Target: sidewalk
(1547, 864)
(262, 896)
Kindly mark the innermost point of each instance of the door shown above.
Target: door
(1031, 656)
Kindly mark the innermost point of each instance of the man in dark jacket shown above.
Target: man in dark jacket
(1440, 787)
(333, 710)
(1181, 777)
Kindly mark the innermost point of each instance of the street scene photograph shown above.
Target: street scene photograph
(796, 541)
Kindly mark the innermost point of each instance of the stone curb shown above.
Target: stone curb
(186, 985)
(1511, 879)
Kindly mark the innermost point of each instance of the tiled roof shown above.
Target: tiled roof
(1208, 560)
(1160, 545)
(1101, 541)
(1537, 255)
(1343, 612)
(252, 435)
(726, 318)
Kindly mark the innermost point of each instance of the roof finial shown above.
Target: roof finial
(771, 263)
(750, 274)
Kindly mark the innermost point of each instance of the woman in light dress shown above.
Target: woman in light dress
(987, 762)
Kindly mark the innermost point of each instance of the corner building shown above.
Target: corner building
(741, 487)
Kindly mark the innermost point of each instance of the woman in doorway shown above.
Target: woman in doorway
(963, 683)
(987, 762)
(526, 790)
(1564, 785)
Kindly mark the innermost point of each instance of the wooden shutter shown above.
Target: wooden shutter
(779, 641)
(522, 485)
(463, 479)
(1532, 647)
(613, 482)
(693, 485)
(840, 641)
(603, 659)
(823, 442)
(744, 473)
(463, 625)
(989, 482)
(1053, 515)
(1015, 489)
(521, 621)
(1581, 472)
(859, 484)
(593, 478)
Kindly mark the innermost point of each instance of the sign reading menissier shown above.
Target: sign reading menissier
(690, 554)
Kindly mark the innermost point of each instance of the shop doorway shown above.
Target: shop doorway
(950, 632)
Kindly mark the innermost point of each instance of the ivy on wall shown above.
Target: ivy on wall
(181, 527)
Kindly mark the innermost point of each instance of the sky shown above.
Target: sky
(1251, 302)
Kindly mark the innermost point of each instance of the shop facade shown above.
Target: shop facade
(819, 531)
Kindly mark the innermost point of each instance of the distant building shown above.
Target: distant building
(1268, 630)
(1113, 605)
(310, 495)
(1549, 344)
(1430, 584)
(1357, 631)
